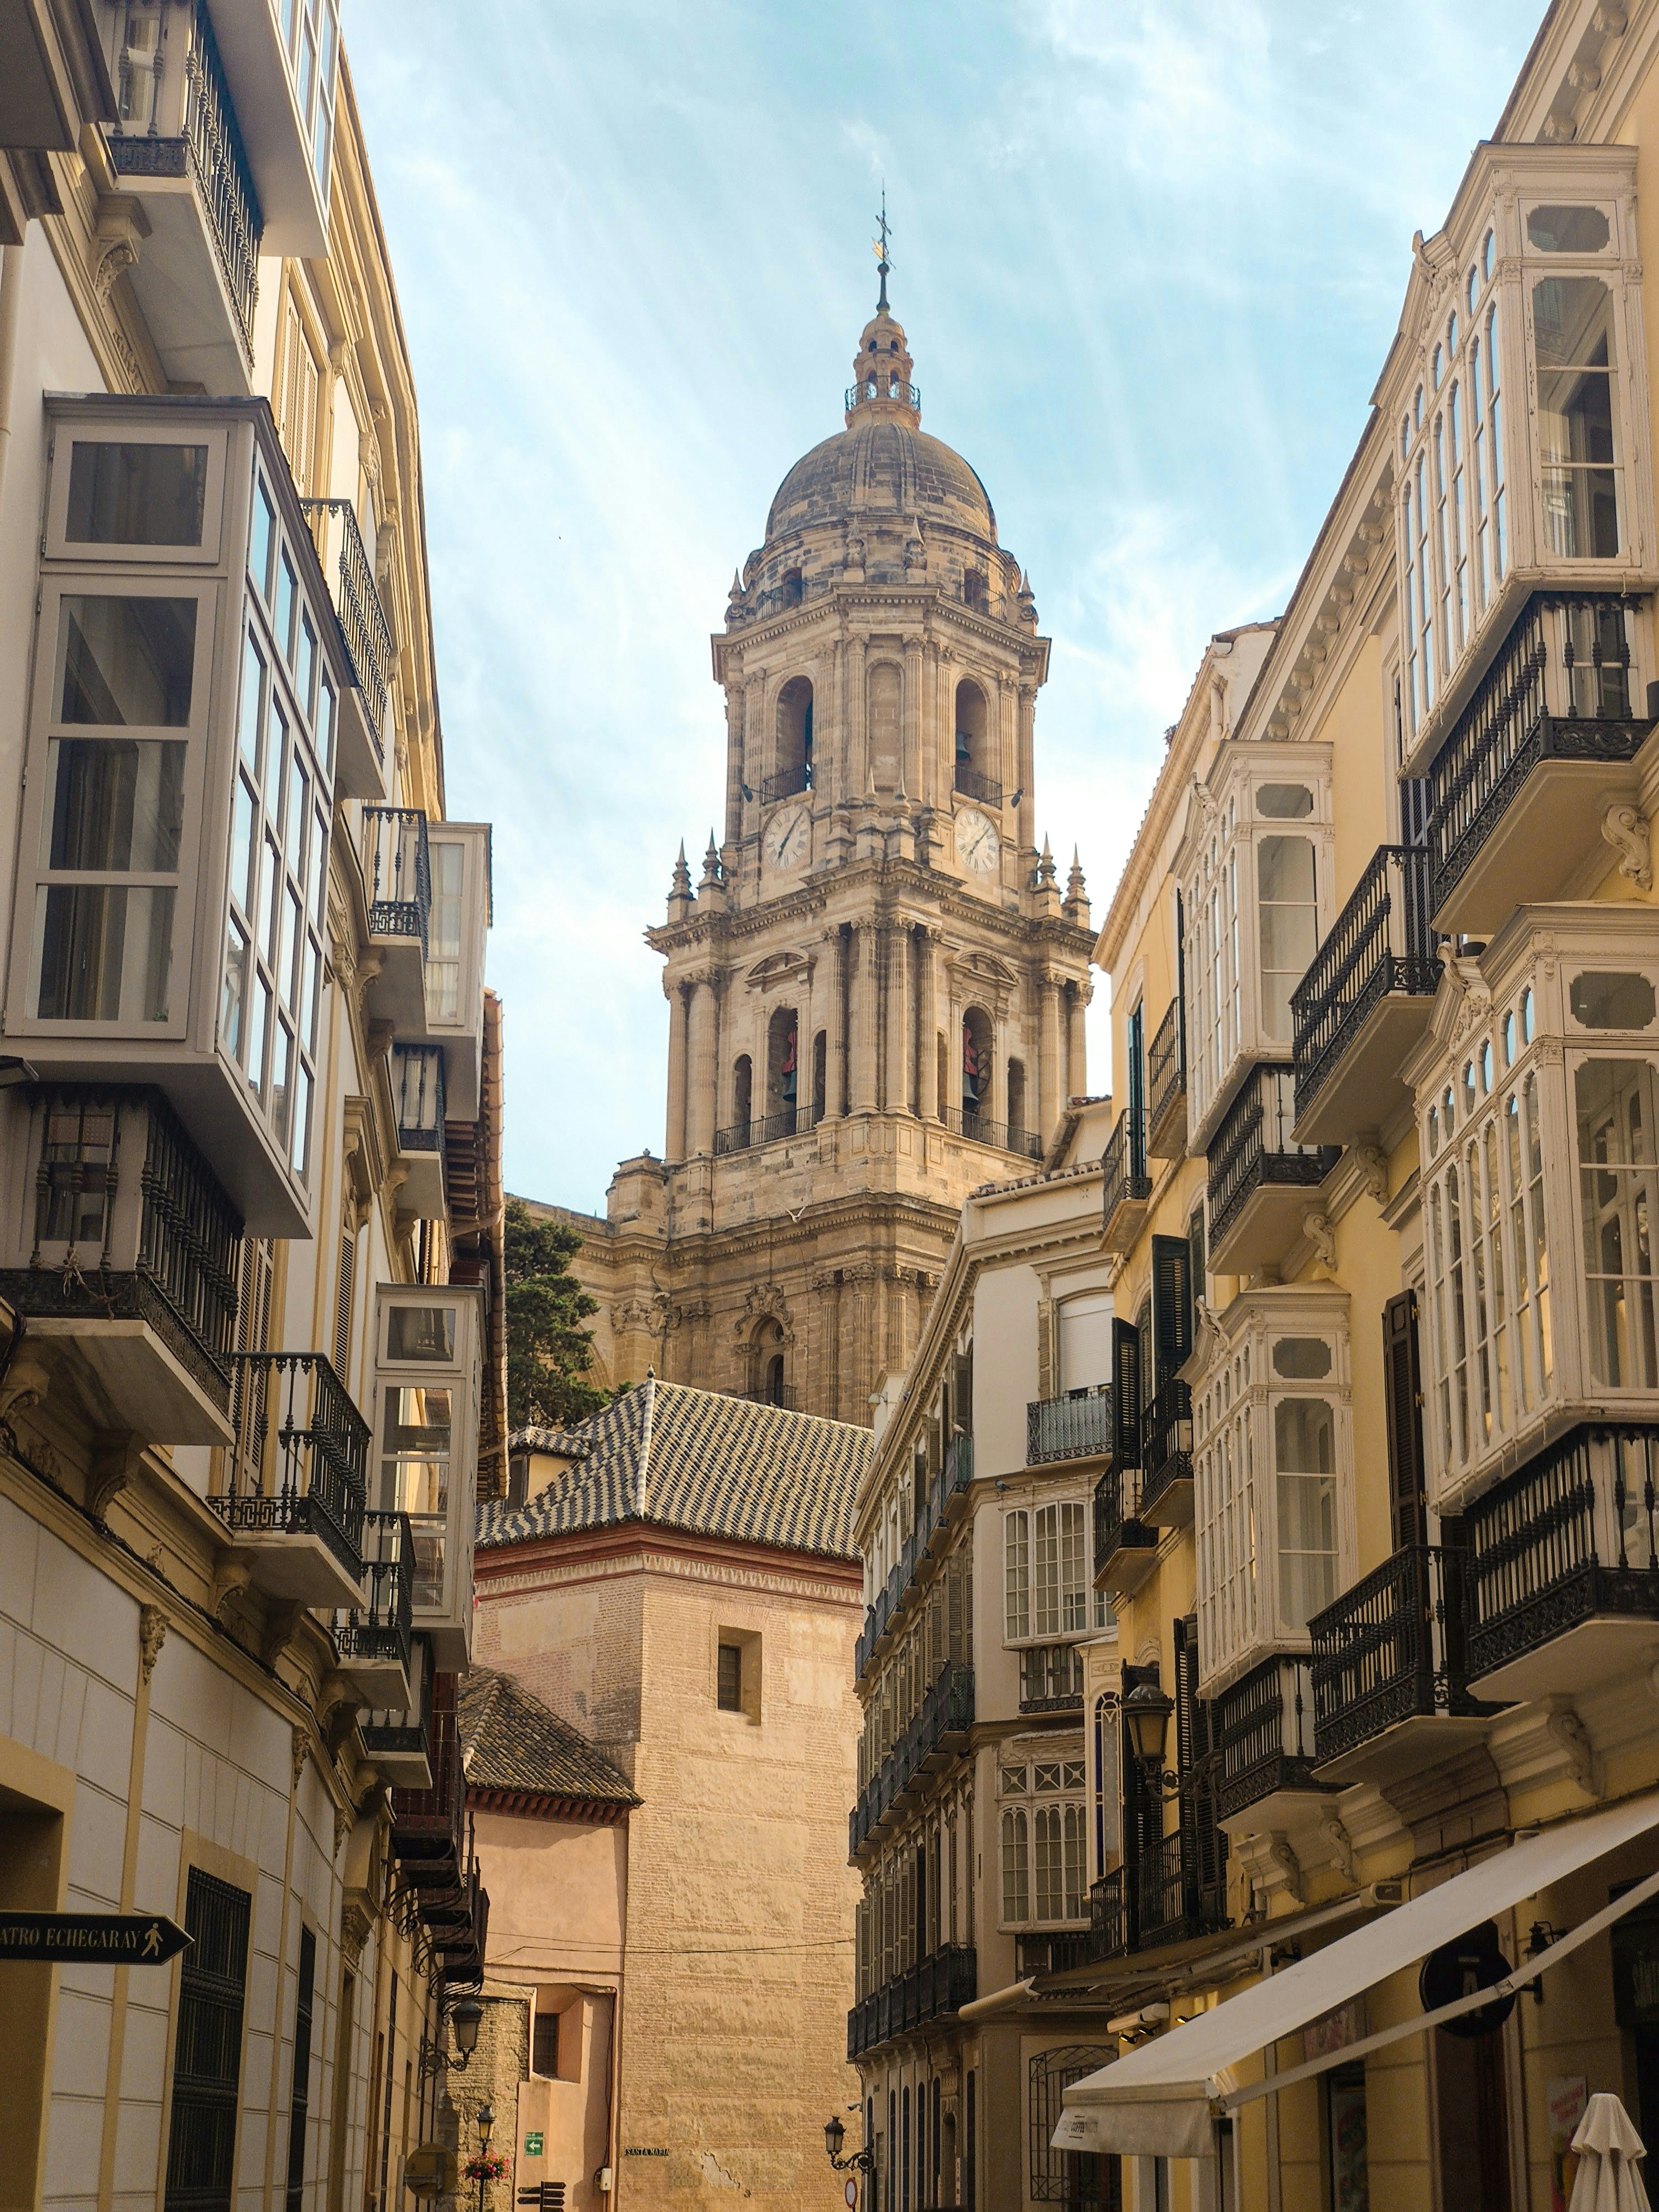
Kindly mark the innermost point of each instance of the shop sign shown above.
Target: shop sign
(1565, 2101)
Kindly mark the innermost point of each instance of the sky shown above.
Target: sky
(1149, 253)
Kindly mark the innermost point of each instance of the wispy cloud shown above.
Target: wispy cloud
(1149, 253)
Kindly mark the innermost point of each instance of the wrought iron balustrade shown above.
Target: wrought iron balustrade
(1051, 1679)
(1261, 1731)
(1559, 689)
(1380, 943)
(380, 1628)
(1391, 1648)
(745, 1136)
(1567, 1538)
(936, 1985)
(1076, 1425)
(980, 1129)
(1173, 1902)
(1254, 1148)
(786, 783)
(1118, 1524)
(1166, 1066)
(363, 625)
(972, 784)
(1123, 1166)
(1166, 1443)
(946, 1710)
(299, 1465)
(429, 1826)
(1109, 1915)
(418, 1090)
(397, 871)
(884, 387)
(1051, 1955)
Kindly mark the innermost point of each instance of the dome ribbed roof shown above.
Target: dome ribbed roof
(881, 465)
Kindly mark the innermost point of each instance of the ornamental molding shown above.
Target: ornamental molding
(765, 1302)
(1625, 828)
(152, 1635)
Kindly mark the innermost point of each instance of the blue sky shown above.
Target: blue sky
(1149, 253)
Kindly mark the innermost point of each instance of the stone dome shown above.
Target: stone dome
(881, 465)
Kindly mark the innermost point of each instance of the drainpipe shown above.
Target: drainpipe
(11, 296)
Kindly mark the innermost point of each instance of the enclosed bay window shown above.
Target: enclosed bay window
(1273, 1477)
(1043, 1836)
(458, 861)
(1046, 1571)
(428, 1370)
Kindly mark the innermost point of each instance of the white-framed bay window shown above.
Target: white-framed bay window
(1042, 1833)
(1273, 1468)
(1255, 869)
(1046, 1571)
(1540, 1191)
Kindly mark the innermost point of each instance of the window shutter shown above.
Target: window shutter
(1403, 1380)
(342, 1301)
(1172, 1304)
(1205, 1847)
(1126, 1397)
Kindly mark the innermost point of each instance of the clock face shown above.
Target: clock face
(788, 836)
(978, 847)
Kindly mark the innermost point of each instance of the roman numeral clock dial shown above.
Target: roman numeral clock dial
(978, 847)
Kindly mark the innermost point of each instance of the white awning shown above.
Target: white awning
(1163, 2099)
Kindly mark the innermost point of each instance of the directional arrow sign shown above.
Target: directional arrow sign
(115, 1939)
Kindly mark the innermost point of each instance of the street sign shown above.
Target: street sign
(105, 1939)
(851, 2193)
(533, 2146)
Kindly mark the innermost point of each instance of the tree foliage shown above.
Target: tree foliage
(549, 1353)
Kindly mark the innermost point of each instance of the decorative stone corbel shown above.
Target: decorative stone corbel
(1569, 1733)
(28, 1378)
(152, 1635)
(115, 1460)
(342, 1827)
(1281, 1854)
(230, 1582)
(355, 1924)
(281, 1626)
(338, 1718)
(120, 229)
(1372, 1162)
(1625, 828)
(1316, 1228)
(1341, 1844)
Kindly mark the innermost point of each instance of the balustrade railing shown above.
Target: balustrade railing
(1123, 1166)
(380, 1628)
(418, 1089)
(1559, 689)
(299, 1464)
(429, 1826)
(1261, 1730)
(356, 595)
(786, 783)
(397, 871)
(1166, 1442)
(1118, 1525)
(1390, 1649)
(936, 1985)
(884, 387)
(946, 1710)
(1076, 1425)
(1050, 1678)
(980, 1129)
(1380, 943)
(1254, 1146)
(764, 1129)
(972, 783)
(1166, 1068)
(189, 1241)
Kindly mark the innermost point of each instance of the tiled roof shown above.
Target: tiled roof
(511, 1742)
(564, 1443)
(697, 1459)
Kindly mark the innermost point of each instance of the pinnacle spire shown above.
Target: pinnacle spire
(879, 248)
(1075, 905)
(682, 874)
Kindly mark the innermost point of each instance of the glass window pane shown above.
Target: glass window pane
(310, 993)
(281, 1061)
(106, 952)
(243, 850)
(123, 494)
(300, 1136)
(1286, 868)
(1618, 1200)
(421, 1332)
(286, 600)
(287, 979)
(264, 540)
(116, 803)
(273, 888)
(233, 1011)
(258, 1029)
(307, 668)
(125, 662)
(1613, 1000)
(254, 677)
(1568, 230)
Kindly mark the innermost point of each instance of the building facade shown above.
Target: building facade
(251, 1372)
(674, 1580)
(877, 990)
(1379, 1523)
(984, 1813)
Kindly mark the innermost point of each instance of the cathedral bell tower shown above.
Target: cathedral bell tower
(877, 989)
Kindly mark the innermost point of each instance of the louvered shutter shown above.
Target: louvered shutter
(1126, 1392)
(1204, 1846)
(1403, 1383)
(1172, 1304)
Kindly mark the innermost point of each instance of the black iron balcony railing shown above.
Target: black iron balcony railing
(211, 153)
(1166, 1443)
(1262, 1729)
(362, 620)
(1559, 689)
(970, 781)
(947, 1710)
(300, 1462)
(1166, 1068)
(1051, 1679)
(1123, 1166)
(382, 1628)
(928, 1991)
(429, 1826)
(884, 387)
(397, 870)
(786, 783)
(1254, 1148)
(1161, 1899)
(764, 1129)
(1051, 1955)
(1078, 1426)
(1380, 944)
(418, 1087)
(1391, 1648)
(405, 1735)
(1118, 1525)
(952, 1481)
(981, 1130)
(1567, 1538)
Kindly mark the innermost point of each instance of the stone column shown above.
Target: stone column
(910, 747)
(1077, 1078)
(1049, 1096)
(931, 783)
(899, 1026)
(704, 1048)
(675, 993)
(827, 995)
(856, 773)
(1024, 775)
(927, 1028)
(1001, 1033)
(862, 1077)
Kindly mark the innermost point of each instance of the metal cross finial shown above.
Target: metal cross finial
(878, 247)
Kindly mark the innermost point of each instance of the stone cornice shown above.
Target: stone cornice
(605, 1554)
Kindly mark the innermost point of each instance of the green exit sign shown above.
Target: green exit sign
(533, 2146)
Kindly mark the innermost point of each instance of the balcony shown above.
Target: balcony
(417, 1091)
(179, 151)
(1260, 1176)
(1365, 1002)
(457, 1924)
(1051, 1955)
(786, 783)
(954, 1480)
(429, 1826)
(1262, 1731)
(940, 1728)
(1078, 1426)
(428, 1342)
(1126, 1545)
(374, 1640)
(397, 885)
(1166, 1457)
(1563, 1572)
(1166, 1086)
(1051, 1679)
(1127, 1185)
(297, 1473)
(1545, 747)
(748, 1136)
(972, 785)
(1161, 1899)
(1390, 1674)
(931, 1990)
(121, 1249)
(399, 1742)
(360, 766)
(980, 1129)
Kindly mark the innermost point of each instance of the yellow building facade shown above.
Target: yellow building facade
(1380, 1524)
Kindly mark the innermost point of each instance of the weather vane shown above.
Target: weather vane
(878, 247)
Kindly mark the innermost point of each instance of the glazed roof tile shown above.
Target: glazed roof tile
(511, 1742)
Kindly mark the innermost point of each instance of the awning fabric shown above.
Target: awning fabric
(1158, 2101)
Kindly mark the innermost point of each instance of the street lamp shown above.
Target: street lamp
(485, 2121)
(464, 2020)
(835, 2135)
(1147, 1712)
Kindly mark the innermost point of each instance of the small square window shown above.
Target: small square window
(545, 2046)
(1013, 1781)
(729, 1686)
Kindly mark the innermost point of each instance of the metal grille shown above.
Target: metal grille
(1072, 2179)
(397, 869)
(1075, 1426)
(299, 2097)
(361, 617)
(1380, 942)
(208, 2053)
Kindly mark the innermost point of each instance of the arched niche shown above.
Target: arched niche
(978, 1051)
(884, 692)
(794, 739)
